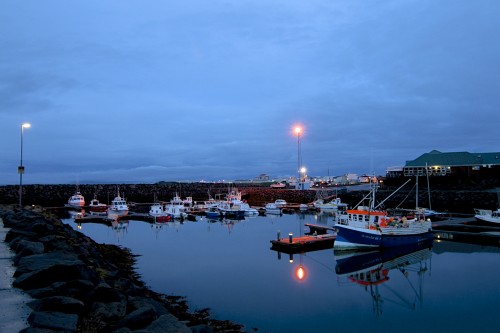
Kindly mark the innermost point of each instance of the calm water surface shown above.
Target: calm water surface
(230, 268)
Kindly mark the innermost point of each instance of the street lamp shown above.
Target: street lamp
(20, 169)
(303, 174)
(298, 131)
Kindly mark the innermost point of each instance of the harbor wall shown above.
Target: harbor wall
(462, 200)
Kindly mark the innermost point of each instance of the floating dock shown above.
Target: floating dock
(317, 239)
(468, 233)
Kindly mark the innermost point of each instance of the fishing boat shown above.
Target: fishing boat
(366, 227)
(176, 208)
(76, 200)
(118, 204)
(96, 206)
(157, 212)
(229, 209)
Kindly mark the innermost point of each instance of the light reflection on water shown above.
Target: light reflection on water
(228, 266)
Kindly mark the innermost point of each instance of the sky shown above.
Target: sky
(123, 91)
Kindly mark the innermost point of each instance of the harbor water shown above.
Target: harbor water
(229, 267)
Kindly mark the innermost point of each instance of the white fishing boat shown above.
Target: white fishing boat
(76, 200)
(236, 206)
(368, 227)
(176, 208)
(157, 212)
(118, 204)
(176, 211)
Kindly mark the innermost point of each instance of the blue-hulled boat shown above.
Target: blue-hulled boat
(367, 227)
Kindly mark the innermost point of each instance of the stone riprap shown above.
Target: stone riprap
(78, 285)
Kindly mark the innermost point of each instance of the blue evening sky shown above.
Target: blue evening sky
(150, 90)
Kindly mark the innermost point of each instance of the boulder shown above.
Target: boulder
(108, 312)
(56, 321)
(26, 248)
(38, 271)
(167, 323)
(139, 318)
(58, 304)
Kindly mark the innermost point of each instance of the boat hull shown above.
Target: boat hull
(354, 238)
(161, 218)
(488, 219)
(212, 215)
(351, 238)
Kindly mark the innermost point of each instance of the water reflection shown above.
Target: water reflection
(371, 272)
(308, 291)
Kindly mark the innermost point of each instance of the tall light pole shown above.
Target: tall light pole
(298, 131)
(20, 169)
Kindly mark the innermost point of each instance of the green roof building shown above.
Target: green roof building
(437, 163)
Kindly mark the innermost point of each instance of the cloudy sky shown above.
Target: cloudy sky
(142, 91)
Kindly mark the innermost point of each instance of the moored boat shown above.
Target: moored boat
(487, 215)
(176, 208)
(213, 213)
(367, 227)
(157, 212)
(272, 208)
(118, 205)
(334, 204)
(76, 200)
(229, 209)
(96, 206)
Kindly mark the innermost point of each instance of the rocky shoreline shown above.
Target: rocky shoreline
(79, 285)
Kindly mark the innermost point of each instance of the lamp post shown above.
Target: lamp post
(20, 169)
(298, 131)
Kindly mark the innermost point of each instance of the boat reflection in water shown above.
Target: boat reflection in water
(372, 270)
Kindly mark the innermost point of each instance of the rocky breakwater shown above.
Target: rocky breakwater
(79, 285)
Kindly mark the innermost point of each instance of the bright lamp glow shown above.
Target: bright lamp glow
(26, 125)
(300, 273)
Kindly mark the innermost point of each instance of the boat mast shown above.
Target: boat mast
(428, 185)
(416, 193)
